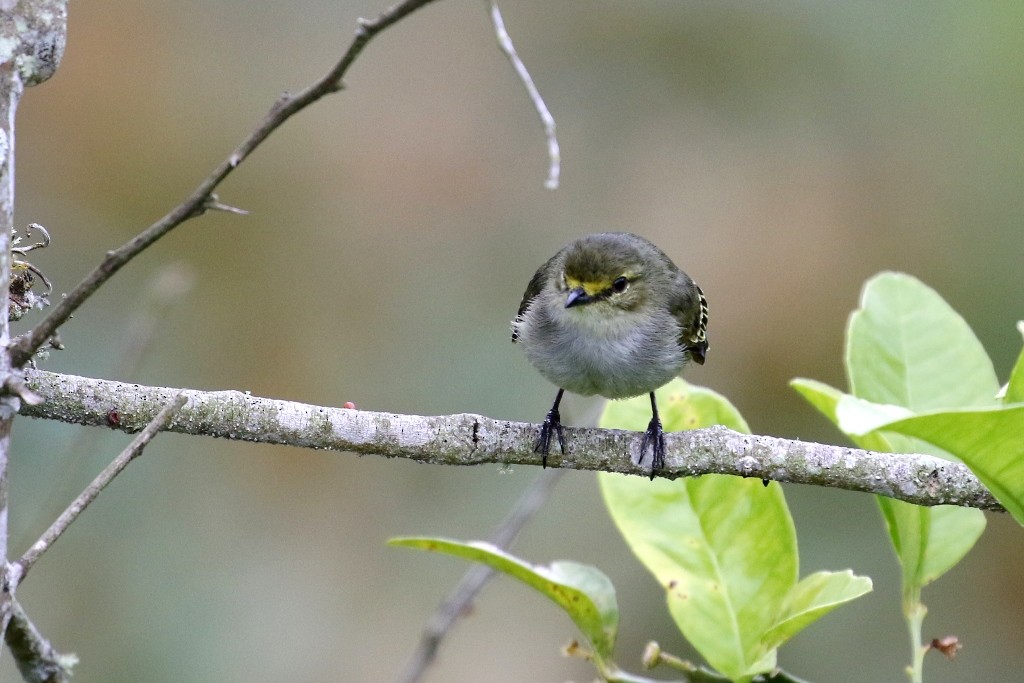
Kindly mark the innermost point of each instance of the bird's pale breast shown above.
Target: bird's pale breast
(586, 352)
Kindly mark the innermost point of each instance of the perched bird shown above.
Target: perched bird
(610, 314)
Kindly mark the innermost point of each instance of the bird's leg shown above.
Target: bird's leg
(552, 423)
(655, 436)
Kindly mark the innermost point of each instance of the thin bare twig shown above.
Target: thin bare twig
(505, 42)
(164, 291)
(203, 198)
(60, 525)
(462, 596)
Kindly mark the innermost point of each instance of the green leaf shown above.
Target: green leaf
(681, 406)
(858, 417)
(723, 548)
(1015, 387)
(988, 440)
(928, 541)
(905, 346)
(822, 396)
(826, 399)
(586, 594)
(941, 557)
(815, 596)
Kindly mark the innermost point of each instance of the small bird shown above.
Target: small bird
(610, 314)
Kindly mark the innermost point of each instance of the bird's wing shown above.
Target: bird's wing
(532, 290)
(690, 309)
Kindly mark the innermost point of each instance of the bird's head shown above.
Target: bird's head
(602, 272)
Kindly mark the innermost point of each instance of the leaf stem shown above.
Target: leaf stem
(914, 612)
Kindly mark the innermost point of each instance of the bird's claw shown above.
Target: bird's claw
(552, 423)
(655, 437)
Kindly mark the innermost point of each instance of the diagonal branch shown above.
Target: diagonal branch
(93, 490)
(468, 439)
(203, 198)
(35, 657)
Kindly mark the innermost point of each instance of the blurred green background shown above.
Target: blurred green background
(780, 152)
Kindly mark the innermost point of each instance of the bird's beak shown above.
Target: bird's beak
(576, 297)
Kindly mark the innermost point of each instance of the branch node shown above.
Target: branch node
(14, 384)
(282, 101)
(213, 203)
(55, 342)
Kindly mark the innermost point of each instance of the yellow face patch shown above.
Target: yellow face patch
(590, 288)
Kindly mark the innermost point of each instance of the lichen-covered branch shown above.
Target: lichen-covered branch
(468, 439)
(36, 658)
(32, 38)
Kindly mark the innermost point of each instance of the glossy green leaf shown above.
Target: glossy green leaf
(824, 397)
(858, 417)
(815, 596)
(940, 556)
(827, 399)
(905, 346)
(1015, 387)
(586, 594)
(928, 541)
(723, 548)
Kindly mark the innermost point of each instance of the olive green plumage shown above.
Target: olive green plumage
(610, 314)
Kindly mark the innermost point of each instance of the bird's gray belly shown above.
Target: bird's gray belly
(629, 363)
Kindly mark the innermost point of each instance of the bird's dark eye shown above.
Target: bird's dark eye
(620, 285)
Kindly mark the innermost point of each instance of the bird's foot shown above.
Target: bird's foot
(655, 438)
(552, 424)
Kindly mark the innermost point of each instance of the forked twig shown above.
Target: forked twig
(203, 198)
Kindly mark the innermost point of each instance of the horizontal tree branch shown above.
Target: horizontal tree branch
(468, 439)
